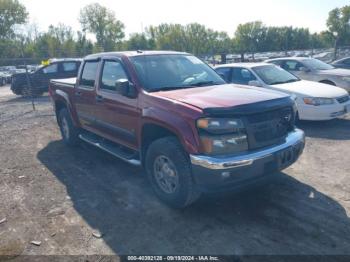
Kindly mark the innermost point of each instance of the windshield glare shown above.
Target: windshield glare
(273, 75)
(157, 72)
(315, 64)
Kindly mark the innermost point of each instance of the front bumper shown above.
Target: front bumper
(227, 173)
(326, 112)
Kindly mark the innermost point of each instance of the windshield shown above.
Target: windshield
(165, 72)
(273, 75)
(315, 64)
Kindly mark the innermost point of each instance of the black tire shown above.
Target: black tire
(170, 148)
(70, 134)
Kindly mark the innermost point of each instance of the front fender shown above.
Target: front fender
(179, 125)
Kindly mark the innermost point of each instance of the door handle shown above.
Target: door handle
(78, 93)
(99, 98)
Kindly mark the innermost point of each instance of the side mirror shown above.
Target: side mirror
(255, 83)
(125, 88)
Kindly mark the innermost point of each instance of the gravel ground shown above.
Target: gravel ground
(83, 201)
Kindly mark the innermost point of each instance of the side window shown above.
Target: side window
(112, 71)
(277, 62)
(51, 69)
(69, 66)
(89, 74)
(225, 73)
(292, 66)
(242, 76)
(347, 61)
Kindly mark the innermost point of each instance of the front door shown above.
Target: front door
(42, 77)
(117, 114)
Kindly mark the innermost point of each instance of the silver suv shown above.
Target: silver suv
(314, 70)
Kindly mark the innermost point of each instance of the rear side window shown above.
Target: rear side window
(112, 71)
(89, 74)
(292, 66)
(51, 69)
(242, 76)
(347, 61)
(225, 73)
(70, 66)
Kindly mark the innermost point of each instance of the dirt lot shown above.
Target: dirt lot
(61, 196)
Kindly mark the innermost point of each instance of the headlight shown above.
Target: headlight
(346, 78)
(220, 125)
(318, 101)
(221, 136)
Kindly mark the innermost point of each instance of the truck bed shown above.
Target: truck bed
(68, 82)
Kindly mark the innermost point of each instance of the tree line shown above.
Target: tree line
(19, 40)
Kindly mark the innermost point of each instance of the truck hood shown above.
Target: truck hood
(221, 96)
(335, 72)
(313, 89)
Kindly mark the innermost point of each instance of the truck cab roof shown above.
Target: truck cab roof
(133, 53)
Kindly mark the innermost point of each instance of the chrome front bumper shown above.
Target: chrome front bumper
(229, 162)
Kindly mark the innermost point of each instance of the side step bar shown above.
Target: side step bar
(110, 148)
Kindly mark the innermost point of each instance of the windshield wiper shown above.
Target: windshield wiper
(204, 83)
(197, 84)
(168, 88)
(285, 82)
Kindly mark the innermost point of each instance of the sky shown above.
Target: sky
(221, 15)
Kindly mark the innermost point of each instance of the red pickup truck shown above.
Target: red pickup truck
(173, 114)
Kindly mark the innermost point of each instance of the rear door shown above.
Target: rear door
(85, 94)
(117, 115)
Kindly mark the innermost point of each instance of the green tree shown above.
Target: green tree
(338, 24)
(248, 37)
(139, 42)
(102, 22)
(12, 13)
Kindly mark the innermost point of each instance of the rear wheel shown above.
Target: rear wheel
(169, 171)
(69, 132)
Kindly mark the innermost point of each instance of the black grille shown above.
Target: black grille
(269, 128)
(343, 99)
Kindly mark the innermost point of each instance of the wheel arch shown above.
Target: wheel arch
(327, 81)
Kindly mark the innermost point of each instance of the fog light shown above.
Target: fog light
(225, 174)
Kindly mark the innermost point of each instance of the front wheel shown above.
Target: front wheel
(169, 171)
(69, 132)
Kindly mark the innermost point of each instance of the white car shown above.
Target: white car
(315, 101)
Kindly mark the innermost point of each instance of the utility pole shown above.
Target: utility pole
(27, 77)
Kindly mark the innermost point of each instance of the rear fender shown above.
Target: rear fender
(63, 97)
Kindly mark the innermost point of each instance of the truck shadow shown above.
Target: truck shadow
(287, 217)
(336, 129)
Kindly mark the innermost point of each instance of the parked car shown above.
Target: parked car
(342, 63)
(173, 114)
(315, 101)
(3, 79)
(314, 70)
(40, 78)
